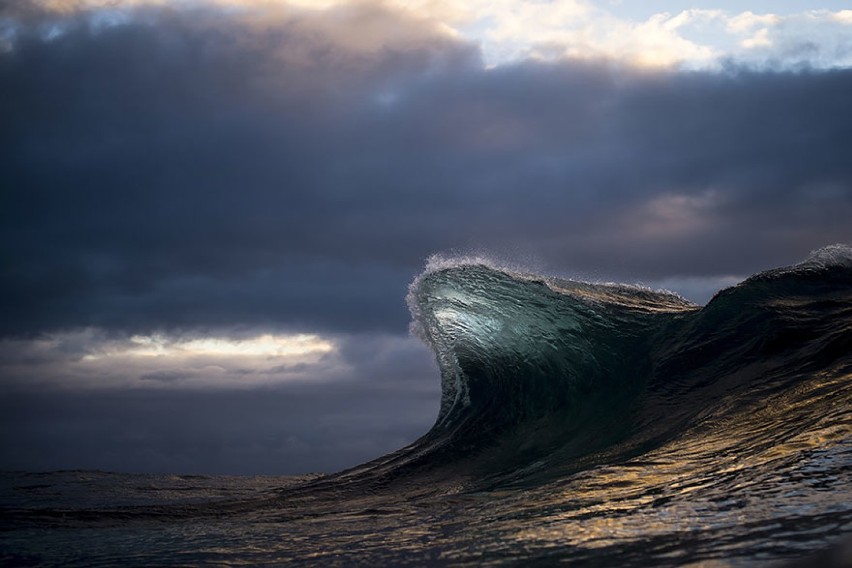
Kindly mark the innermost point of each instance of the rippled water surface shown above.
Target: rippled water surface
(718, 497)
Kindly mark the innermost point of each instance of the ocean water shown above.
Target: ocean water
(581, 424)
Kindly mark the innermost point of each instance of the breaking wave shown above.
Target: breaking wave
(544, 376)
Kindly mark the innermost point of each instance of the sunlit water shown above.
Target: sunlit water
(690, 502)
(722, 494)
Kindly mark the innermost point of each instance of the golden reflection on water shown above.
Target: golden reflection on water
(710, 479)
(747, 487)
(732, 490)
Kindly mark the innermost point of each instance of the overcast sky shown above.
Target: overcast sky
(210, 211)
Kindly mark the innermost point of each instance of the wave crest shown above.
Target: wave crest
(541, 374)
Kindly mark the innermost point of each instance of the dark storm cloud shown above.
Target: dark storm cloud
(177, 169)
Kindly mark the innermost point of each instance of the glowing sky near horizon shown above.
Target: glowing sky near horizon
(267, 345)
(88, 358)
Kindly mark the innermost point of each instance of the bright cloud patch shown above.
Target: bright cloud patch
(89, 358)
(507, 31)
(264, 345)
(692, 38)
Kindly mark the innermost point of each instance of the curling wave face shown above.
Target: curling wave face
(540, 374)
